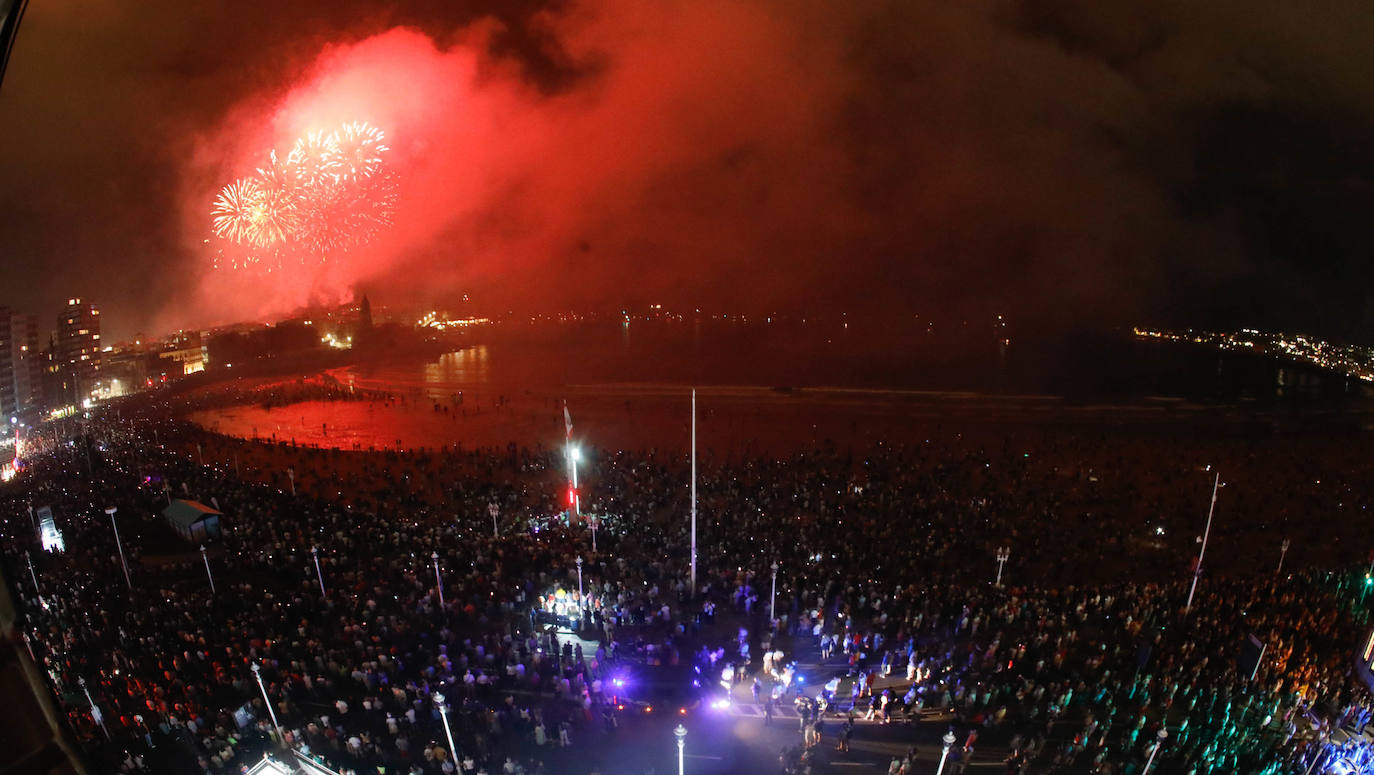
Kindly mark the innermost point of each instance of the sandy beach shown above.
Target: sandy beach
(732, 420)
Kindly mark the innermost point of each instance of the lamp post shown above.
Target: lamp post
(438, 580)
(291, 474)
(1159, 743)
(257, 673)
(593, 520)
(692, 568)
(34, 576)
(208, 574)
(773, 603)
(1003, 554)
(493, 510)
(1283, 550)
(681, 734)
(443, 713)
(1207, 532)
(948, 742)
(315, 552)
(111, 511)
(200, 456)
(96, 715)
(581, 599)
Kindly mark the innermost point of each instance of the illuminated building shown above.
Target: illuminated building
(77, 352)
(19, 362)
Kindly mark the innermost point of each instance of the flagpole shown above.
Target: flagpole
(693, 574)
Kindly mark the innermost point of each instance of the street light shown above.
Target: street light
(1003, 554)
(681, 734)
(948, 741)
(692, 566)
(1283, 549)
(34, 576)
(96, 715)
(443, 713)
(111, 511)
(493, 510)
(773, 603)
(438, 580)
(208, 574)
(581, 599)
(1159, 743)
(257, 673)
(291, 474)
(315, 552)
(1206, 533)
(592, 521)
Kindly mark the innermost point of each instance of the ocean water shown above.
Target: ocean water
(775, 387)
(1111, 367)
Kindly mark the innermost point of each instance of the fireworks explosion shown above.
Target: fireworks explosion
(331, 194)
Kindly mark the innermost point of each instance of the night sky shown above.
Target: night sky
(1065, 163)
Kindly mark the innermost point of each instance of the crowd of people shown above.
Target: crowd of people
(432, 562)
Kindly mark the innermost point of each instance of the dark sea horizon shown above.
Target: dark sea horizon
(1114, 367)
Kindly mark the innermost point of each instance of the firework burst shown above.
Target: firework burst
(358, 150)
(331, 193)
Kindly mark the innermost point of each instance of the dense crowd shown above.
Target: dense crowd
(885, 560)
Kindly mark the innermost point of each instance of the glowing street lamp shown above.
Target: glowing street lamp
(96, 715)
(581, 599)
(111, 511)
(948, 742)
(1159, 743)
(681, 734)
(1003, 554)
(438, 580)
(1283, 550)
(443, 713)
(1206, 533)
(493, 510)
(34, 576)
(773, 603)
(692, 561)
(257, 673)
(315, 552)
(208, 574)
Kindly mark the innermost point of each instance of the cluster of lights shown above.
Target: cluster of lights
(338, 344)
(433, 320)
(1350, 360)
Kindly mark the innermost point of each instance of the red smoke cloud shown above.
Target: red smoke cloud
(685, 150)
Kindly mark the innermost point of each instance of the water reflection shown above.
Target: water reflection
(465, 366)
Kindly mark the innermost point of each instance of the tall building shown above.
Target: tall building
(78, 349)
(28, 366)
(9, 404)
(19, 366)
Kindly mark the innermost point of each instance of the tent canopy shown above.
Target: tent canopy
(193, 519)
